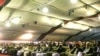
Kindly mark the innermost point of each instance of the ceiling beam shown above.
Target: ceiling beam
(90, 36)
(14, 9)
(85, 4)
(90, 4)
(83, 38)
(68, 38)
(96, 37)
(42, 36)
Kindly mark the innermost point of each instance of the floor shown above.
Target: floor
(3, 55)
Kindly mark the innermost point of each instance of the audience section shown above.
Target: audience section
(51, 48)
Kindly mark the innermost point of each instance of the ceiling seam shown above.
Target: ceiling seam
(41, 15)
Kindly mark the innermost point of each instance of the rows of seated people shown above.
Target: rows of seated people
(47, 48)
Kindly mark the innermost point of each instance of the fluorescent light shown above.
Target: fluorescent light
(45, 10)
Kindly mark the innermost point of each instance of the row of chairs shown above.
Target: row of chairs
(27, 53)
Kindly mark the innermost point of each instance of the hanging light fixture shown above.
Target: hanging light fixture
(70, 11)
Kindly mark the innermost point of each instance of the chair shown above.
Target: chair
(20, 53)
(55, 54)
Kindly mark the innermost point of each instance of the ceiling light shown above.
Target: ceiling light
(16, 20)
(7, 24)
(45, 10)
(73, 1)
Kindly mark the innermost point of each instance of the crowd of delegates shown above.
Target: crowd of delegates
(52, 48)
